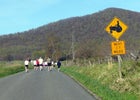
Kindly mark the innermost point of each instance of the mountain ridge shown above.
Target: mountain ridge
(88, 30)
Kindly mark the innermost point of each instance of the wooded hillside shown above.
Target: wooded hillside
(85, 35)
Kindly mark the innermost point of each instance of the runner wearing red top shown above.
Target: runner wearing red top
(37, 64)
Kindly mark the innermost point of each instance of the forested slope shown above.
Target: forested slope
(86, 32)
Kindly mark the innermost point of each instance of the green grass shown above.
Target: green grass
(8, 68)
(98, 82)
(100, 79)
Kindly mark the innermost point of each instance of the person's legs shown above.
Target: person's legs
(58, 68)
(26, 68)
(40, 67)
(51, 68)
(48, 68)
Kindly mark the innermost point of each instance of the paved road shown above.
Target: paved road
(41, 85)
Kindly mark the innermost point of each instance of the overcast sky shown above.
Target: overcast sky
(22, 15)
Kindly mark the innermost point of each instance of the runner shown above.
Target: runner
(59, 65)
(40, 63)
(37, 64)
(26, 63)
(52, 65)
(49, 63)
(45, 64)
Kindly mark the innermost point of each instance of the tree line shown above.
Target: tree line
(81, 37)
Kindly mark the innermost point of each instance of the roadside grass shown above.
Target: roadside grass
(8, 68)
(101, 79)
(104, 82)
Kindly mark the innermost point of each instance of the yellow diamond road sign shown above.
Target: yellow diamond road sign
(116, 28)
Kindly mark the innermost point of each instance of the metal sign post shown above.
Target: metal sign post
(119, 62)
(118, 48)
(116, 28)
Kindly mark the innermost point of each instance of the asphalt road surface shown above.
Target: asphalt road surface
(41, 85)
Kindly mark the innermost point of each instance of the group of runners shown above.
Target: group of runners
(40, 64)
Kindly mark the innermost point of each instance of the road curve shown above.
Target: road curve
(41, 85)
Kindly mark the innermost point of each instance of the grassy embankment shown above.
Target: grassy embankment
(8, 68)
(101, 79)
(104, 81)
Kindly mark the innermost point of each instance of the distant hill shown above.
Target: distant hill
(86, 34)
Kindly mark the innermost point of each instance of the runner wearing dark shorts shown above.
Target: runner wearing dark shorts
(49, 63)
(26, 63)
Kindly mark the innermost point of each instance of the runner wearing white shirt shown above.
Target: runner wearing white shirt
(26, 63)
(40, 63)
